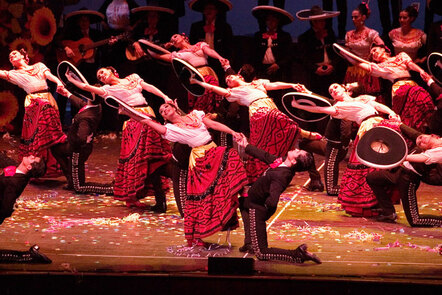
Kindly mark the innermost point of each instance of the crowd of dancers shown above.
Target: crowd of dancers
(217, 164)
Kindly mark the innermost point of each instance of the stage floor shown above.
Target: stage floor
(95, 234)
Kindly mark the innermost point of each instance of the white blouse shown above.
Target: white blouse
(245, 95)
(360, 44)
(31, 80)
(129, 91)
(356, 111)
(393, 68)
(193, 55)
(193, 134)
(410, 43)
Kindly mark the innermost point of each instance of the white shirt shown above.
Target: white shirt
(356, 111)
(245, 95)
(193, 55)
(129, 91)
(31, 80)
(193, 134)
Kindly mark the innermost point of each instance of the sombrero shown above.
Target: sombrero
(261, 12)
(65, 66)
(434, 62)
(139, 12)
(198, 5)
(381, 147)
(184, 71)
(304, 99)
(117, 103)
(345, 53)
(315, 13)
(94, 16)
(150, 46)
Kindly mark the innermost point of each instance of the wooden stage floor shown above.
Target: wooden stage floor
(94, 236)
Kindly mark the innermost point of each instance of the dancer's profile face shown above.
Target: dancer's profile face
(358, 18)
(103, 75)
(337, 91)
(177, 39)
(15, 57)
(294, 154)
(233, 80)
(378, 54)
(27, 161)
(426, 141)
(404, 19)
(166, 111)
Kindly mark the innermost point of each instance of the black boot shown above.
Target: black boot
(31, 256)
(302, 254)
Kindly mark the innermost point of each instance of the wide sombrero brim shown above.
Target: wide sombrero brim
(139, 12)
(434, 62)
(198, 5)
(381, 147)
(306, 14)
(65, 66)
(306, 99)
(261, 12)
(150, 46)
(117, 103)
(184, 71)
(345, 52)
(94, 16)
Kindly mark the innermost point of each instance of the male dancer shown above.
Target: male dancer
(14, 178)
(262, 201)
(74, 153)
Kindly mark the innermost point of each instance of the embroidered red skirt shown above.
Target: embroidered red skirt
(371, 84)
(415, 107)
(355, 195)
(212, 192)
(143, 151)
(273, 132)
(41, 130)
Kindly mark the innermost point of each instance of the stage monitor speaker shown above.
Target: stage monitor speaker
(230, 266)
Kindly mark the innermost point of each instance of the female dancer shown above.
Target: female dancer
(270, 129)
(197, 55)
(143, 151)
(410, 101)
(359, 41)
(355, 195)
(41, 122)
(406, 38)
(215, 174)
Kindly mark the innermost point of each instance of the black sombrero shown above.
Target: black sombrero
(141, 11)
(345, 52)
(198, 5)
(184, 71)
(66, 66)
(94, 16)
(305, 99)
(381, 147)
(262, 11)
(117, 103)
(150, 46)
(434, 62)
(315, 13)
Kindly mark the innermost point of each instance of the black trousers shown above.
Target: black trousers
(72, 165)
(384, 13)
(407, 182)
(334, 154)
(254, 217)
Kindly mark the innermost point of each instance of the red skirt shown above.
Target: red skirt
(273, 132)
(212, 193)
(415, 107)
(143, 151)
(41, 130)
(355, 195)
(209, 102)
